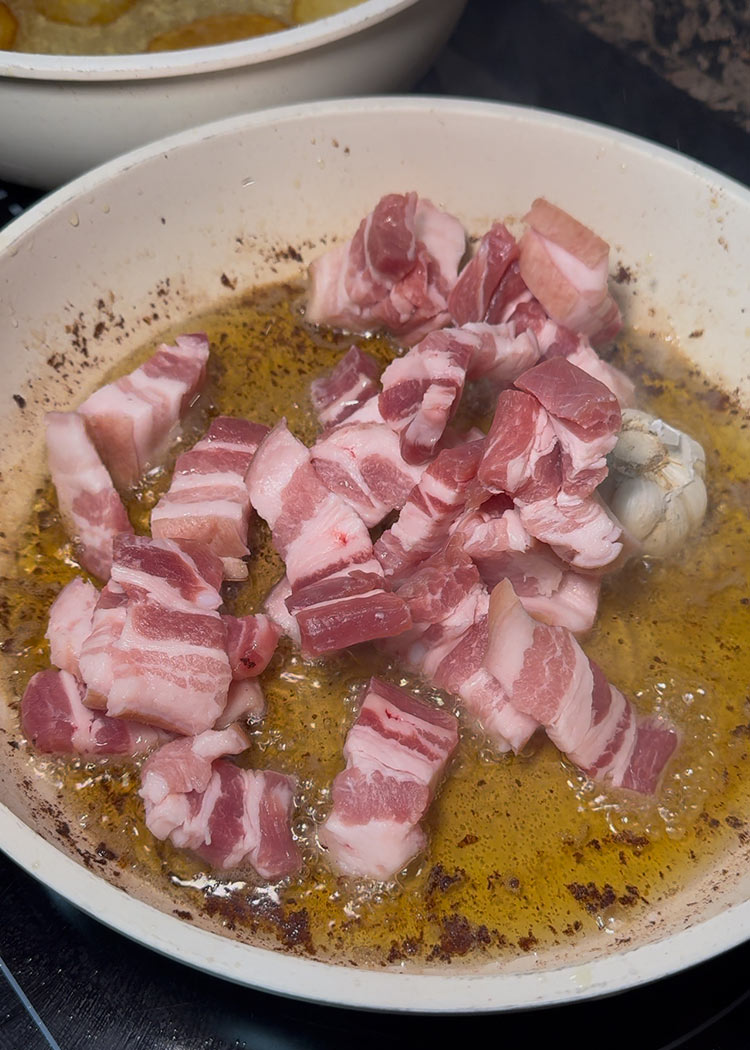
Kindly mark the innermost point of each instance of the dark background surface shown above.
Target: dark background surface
(673, 72)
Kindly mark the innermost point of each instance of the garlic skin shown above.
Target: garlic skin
(656, 484)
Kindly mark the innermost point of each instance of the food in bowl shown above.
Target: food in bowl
(102, 27)
(484, 885)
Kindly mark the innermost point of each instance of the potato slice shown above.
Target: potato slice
(8, 28)
(215, 29)
(82, 12)
(309, 10)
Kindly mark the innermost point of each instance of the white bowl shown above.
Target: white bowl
(60, 115)
(223, 199)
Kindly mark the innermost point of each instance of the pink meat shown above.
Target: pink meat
(251, 642)
(208, 501)
(55, 719)
(522, 454)
(449, 605)
(433, 506)
(91, 510)
(500, 353)
(510, 294)
(134, 420)
(421, 392)
(230, 816)
(585, 416)
(480, 277)
(397, 271)
(275, 606)
(70, 623)
(362, 463)
(353, 381)
(169, 668)
(586, 358)
(337, 592)
(95, 659)
(580, 531)
(396, 753)
(179, 575)
(548, 676)
(565, 265)
(246, 702)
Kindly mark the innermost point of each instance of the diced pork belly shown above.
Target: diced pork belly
(397, 271)
(70, 623)
(585, 416)
(522, 453)
(337, 592)
(565, 265)
(479, 279)
(55, 719)
(449, 606)
(548, 676)
(246, 702)
(582, 532)
(169, 668)
(95, 658)
(354, 380)
(362, 463)
(396, 753)
(433, 506)
(208, 501)
(276, 608)
(230, 816)
(180, 575)
(134, 420)
(251, 642)
(90, 507)
(510, 294)
(421, 392)
(586, 358)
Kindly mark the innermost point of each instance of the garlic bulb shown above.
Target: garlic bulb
(656, 483)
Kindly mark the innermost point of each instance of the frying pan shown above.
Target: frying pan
(231, 198)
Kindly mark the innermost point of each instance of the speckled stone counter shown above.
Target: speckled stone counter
(677, 73)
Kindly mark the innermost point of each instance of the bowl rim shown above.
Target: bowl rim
(305, 978)
(202, 60)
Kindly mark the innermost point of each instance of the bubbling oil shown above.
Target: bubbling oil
(524, 853)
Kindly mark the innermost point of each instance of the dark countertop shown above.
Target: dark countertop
(676, 72)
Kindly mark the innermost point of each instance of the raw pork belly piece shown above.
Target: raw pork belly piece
(396, 753)
(337, 586)
(479, 279)
(246, 702)
(362, 463)
(522, 454)
(583, 532)
(70, 623)
(276, 608)
(251, 642)
(169, 668)
(353, 381)
(548, 676)
(158, 648)
(433, 506)
(585, 416)
(565, 265)
(230, 816)
(90, 507)
(421, 392)
(55, 720)
(181, 575)
(397, 271)
(208, 501)
(449, 606)
(134, 420)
